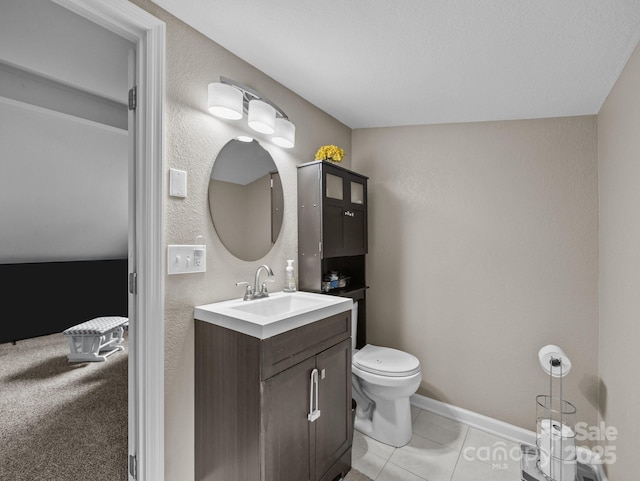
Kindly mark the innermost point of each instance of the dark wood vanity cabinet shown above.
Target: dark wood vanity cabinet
(254, 399)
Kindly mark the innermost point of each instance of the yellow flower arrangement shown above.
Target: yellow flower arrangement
(330, 152)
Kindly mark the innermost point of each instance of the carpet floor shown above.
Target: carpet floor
(61, 421)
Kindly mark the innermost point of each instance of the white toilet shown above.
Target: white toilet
(383, 379)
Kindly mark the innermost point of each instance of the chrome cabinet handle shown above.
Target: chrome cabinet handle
(349, 213)
(313, 396)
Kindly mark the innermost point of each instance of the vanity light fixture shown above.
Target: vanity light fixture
(262, 117)
(225, 101)
(285, 135)
(229, 99)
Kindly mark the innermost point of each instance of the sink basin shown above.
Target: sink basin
(280, 305)
(273, 315)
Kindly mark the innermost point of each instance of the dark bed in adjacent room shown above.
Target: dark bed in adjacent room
(48, 297)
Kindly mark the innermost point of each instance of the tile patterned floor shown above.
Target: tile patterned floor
(440, 450)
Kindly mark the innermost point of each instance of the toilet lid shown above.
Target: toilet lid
(386, 361)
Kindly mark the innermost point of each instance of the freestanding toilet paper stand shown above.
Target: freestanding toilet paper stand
(554, 458)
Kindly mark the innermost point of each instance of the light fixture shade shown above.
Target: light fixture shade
(285, 135)
(225, 101)
(262, 117)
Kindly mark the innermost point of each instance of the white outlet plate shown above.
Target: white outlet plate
(186, 259)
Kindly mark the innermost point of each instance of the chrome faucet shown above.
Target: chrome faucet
(253, 292)
(263, 292)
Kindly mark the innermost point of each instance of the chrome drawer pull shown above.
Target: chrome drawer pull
(313, 395)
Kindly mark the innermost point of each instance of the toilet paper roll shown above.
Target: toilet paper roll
(556, 439)
(558, 469)
(549, 352)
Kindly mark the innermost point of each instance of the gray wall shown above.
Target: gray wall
(64, 182)
(483, 247)
(64, 47)
(619, 352)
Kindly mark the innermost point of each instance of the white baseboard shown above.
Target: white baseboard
(484, 423)
(499, 428)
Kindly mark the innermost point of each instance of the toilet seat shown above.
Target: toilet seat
(385, 361)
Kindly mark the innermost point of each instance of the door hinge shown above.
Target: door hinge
(133, 283)
(133, 466)
(133, 98)
(320, 246)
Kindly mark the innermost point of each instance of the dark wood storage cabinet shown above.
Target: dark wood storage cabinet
(332, 210)
(332, 232)
(253, 399)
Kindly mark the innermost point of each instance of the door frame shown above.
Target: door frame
(146, 353)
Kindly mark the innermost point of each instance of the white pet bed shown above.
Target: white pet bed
(95, 340)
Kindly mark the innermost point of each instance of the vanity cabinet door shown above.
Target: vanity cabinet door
(333, 429)
(296, 448)
(285, 405)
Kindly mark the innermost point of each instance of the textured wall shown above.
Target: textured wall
(483, 243)
(619, 355)
(193, 140)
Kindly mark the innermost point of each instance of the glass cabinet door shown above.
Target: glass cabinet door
(334, 187)
(357, 193)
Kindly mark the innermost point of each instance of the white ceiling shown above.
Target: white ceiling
(380, 63)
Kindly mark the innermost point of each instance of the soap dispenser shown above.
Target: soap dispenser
(290, 281)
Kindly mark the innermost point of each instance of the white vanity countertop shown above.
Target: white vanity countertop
(273, 315)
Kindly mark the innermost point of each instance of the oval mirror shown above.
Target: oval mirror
(245, 199)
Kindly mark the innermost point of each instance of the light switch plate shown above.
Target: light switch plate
(177, 183)
(186, 259)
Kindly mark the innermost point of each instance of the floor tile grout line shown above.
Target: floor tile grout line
(388, 459)
(399, 467)
(460, 453)
(381, 470)
(413, 433)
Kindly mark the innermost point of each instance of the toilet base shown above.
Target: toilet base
(390, 422)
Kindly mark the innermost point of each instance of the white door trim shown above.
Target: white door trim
(148, 35)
